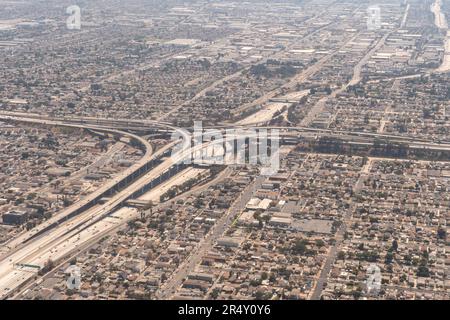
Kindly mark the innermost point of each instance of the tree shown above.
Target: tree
(442, 234)
(255, 282)
(132, 224)
(394, 245)
(357, 293)
(389, 258)
(48, 266)
(423, 271)
(320, 243)
(215, 293)
(300, 247)
(30, 225)
(259, 295)
(272, 278)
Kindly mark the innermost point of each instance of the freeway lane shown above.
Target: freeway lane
(148, 157)
(8, 273)
(111, 123)
(84, 228)
(47, 246)
(75, 239)
(26, 248)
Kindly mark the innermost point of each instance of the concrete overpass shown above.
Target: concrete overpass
(129, 176)
(31, 247)
(89, 215)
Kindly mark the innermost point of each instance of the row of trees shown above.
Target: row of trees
(176, 190)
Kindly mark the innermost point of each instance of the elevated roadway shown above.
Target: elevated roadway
(148, 161)
(86, 217)
(89, 217)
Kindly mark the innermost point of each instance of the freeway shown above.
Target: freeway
(102, 123)
(289, 132)
(148, 157)
(105, 123)
(69, 239)
(93, 221)
(29, 249)
(47, 236)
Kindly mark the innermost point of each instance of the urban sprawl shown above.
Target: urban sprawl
(357, 91)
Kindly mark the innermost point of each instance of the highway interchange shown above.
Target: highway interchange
(65, 232)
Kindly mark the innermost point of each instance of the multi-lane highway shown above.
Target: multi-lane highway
(66, 232)
(41, 243)
(99, 193)
(57, 238)
(64, 241)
